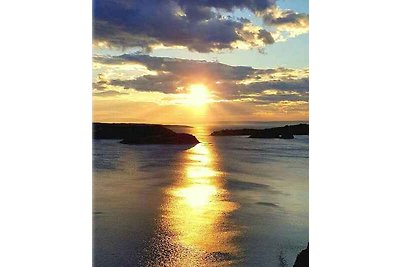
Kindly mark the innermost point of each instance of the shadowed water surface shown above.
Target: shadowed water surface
(228, 201)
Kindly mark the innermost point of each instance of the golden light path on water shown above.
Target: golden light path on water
(196, 214)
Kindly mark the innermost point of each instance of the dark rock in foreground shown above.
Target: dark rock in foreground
(141, 134)
(286, 132)
(302, 259)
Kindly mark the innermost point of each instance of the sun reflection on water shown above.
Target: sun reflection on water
(196, 213)
(197, 196)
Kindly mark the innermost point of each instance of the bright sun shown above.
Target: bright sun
(198, 94)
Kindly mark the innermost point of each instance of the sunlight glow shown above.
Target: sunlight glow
(198, 94)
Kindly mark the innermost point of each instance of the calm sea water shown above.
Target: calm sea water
(228, 201)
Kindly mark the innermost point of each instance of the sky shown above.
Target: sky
(200, 61)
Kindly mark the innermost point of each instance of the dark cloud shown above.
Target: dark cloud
(298, 85)
(101, 83)
(266, 36)
(285, 18)
(226, 82)
(109, 93)
(254, 5)
(183, 67)
(165, 83)
(196, 25)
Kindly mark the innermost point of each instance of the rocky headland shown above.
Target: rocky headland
(141, 134)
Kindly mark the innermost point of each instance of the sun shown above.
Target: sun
(198, 94)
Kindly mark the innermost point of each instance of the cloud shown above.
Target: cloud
(288, 23)
(196, 25)
(183, 67)
(227, 83)
(100, 84)
(285, 17)
(165, 82)
(109, 93)
(253, 5)
(298, 85)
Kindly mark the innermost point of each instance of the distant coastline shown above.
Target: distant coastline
(285, 132)
(176, 126)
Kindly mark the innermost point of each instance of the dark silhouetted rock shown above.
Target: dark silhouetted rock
(141, 134)
(286, 132)
(286, 136)
(302, 259)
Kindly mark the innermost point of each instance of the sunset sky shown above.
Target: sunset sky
(187, 61)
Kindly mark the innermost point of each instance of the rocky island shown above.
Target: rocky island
(141, 134)
(285, 132)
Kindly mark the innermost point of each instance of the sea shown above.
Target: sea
(227, 201)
